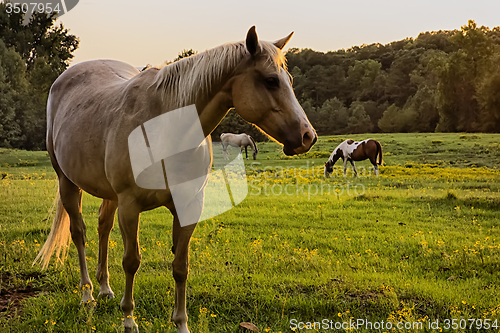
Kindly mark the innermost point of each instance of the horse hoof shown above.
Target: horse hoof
(87, 298)
(88, 303)
(130, 325)
(133, 329)
(182, 329)
(109, 295)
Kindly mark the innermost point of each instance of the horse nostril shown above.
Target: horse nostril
(309, 139)
(306, 138)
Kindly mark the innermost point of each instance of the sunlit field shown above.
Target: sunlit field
(418, 246)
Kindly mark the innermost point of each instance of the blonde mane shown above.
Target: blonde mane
(182, 81)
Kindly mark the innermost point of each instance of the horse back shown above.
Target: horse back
(87, 128)
(366, 149)
(88, 79)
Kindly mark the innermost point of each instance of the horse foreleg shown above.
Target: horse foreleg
(246, 152)
(345, 167)
(353, 168)
(224, 151)
(106, 221)
(180, 267)
(71, 198)
(128, 219)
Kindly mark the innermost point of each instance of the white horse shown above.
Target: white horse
(242, 140)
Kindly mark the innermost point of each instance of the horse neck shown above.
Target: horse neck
(336, 154)
(252, 143)
(202, 80)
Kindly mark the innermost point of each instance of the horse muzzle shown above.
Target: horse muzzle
(309, 138)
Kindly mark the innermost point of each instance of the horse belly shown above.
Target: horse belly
(79, 147)
(82, 162)
(80, 122)
(359, 152)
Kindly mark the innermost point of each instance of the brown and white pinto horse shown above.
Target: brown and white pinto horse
(351, 151)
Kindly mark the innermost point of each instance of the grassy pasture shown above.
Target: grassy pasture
(418, 244)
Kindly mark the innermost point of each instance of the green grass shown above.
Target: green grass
(420, 243)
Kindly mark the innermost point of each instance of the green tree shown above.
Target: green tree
(185, 54)
(467, 70)
(359, 121)
(34, 55)
(40, 38)
(476, 44)
(488, 96)
(361, 77)
(456, 95)
(332, 117)
(399, 86)
(12, 84)
(398, 120)
(317, 84)
(420, 111)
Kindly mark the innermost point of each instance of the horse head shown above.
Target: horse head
(262, 94)
(328, 167)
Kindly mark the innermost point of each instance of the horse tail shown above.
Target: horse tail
(59, 238)
(254, 145)
(379, 152)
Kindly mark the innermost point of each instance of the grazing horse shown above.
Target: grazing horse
(94, 106)
(242, 140)
(351, 151)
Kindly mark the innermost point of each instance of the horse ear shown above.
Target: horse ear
(252, 41)
(280, 44)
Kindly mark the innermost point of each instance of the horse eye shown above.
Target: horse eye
(272, 82)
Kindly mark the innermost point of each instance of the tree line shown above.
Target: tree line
(32, 56)
(445, 81)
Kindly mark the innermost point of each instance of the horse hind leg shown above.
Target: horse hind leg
(106, 221)
(128, 219)
(71, 198)
(354, 168)
(375, 166)
(180, 268)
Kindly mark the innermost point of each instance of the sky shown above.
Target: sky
(152, 32)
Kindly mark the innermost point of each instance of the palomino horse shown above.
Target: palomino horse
(241, 140)
(95, 105)
(351, 151)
